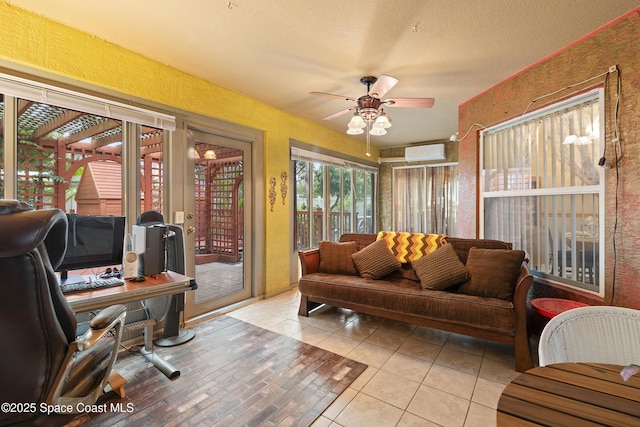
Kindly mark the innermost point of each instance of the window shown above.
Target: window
(332, 197)
(425, 199)
(543, 191)
(64, 149)
(151, 168)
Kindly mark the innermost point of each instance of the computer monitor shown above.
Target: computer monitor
(92, 241)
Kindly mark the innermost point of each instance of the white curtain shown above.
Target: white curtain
(426, 199)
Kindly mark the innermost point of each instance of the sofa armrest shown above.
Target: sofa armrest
(309, 260)
(524, 360)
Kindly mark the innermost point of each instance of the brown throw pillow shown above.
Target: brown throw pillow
(335, 258)
(440, 269)
(493, 272)
(375, 260)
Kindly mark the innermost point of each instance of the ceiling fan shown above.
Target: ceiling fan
(369, 111)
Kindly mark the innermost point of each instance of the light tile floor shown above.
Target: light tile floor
(417, 376)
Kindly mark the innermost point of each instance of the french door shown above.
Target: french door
(221, 216)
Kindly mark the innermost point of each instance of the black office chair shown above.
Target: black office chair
(41, 359)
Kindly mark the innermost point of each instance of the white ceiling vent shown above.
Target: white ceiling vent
(420, 153)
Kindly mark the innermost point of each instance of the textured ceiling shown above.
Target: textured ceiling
(279, 51)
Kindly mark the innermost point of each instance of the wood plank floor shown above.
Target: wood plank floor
(232, 374)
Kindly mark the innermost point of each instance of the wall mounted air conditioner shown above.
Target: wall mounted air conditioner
(420, 153)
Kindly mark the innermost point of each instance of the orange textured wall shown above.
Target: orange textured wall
(615, 44)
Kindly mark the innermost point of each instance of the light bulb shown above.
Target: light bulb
(382, 122)
(356, 122)
(377, 131)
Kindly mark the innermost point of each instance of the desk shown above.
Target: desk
(571, 394)
(166, 283)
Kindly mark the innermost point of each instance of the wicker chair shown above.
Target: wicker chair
(599, 334)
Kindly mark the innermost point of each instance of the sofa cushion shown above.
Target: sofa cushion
(405, 272)
(493, 272)
(361, 239)
(405, 296)
(440, 269)
(408, 247)
(462, 245)
(335, 258)
(375, 261)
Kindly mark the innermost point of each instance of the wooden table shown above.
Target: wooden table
(166, 283)
(571, 394)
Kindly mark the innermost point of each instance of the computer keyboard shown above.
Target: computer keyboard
(68, 288)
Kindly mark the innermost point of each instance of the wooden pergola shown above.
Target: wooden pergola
(219, 204)
(55, 143)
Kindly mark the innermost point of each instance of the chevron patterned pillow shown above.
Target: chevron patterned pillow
(409, 247)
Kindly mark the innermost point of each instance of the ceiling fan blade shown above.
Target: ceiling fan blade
(382, 86)
(330, 95)
(339, 113)
(410, 102)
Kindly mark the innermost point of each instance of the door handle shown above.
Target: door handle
(190, 229)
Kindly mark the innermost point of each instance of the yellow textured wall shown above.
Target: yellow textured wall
(41, 44)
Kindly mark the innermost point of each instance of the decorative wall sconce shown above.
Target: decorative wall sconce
(283, 186)
(272, 192)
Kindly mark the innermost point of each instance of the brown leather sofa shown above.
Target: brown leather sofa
(399, 296)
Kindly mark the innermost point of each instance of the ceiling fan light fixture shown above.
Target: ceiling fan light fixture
(382, 121)
(356, 122)
(368, 114)
(368, 111)
(377, 131)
